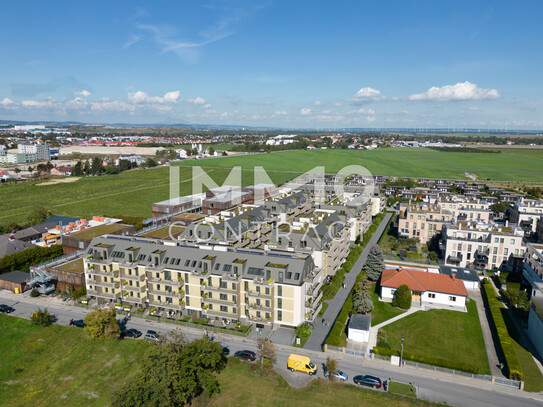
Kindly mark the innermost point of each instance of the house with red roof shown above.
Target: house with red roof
(426, 287)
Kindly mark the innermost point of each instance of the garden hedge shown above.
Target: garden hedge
(512, 365)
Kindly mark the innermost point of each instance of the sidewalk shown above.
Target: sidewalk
(320, 332)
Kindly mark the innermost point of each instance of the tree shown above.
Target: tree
(194, 151)
(102, 324)
(374, 265)
(150, 163)
(211, 150)
(499, 207)
(173, 373)
(266, 348)
(331, 366)
(78, 169)
(30, 169)
(17, 170)
(362, 298)
(38, 215)
(303, 331)
(97, 166)
(402, 297)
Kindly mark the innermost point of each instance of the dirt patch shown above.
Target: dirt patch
(59, 181)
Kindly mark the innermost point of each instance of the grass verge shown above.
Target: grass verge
(403, 389)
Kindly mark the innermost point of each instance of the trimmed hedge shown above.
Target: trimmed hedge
(29, 257)
(512, 365)
(449, 364)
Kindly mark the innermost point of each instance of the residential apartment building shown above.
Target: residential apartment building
(526, 213)
(421, 221)
(212, 281)
(40, 150)
(533, 267)
(485, 246)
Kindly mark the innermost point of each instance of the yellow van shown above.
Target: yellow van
(301, 364)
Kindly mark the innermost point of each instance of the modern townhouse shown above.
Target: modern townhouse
(212, 281)
(485, 246)
(526, 213)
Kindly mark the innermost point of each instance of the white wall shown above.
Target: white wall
(535, 331)
(357, 335)
(440, 298)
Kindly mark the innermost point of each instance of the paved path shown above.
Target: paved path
(491, 342)
(375, 329)
(320, 332)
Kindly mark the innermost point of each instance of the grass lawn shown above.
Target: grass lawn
(62, 366)
(269, 389)
(130, 193)
(164, 232)
(522, 165)
(442, 334)
(73, 266)
(382, 311)
(402, 388)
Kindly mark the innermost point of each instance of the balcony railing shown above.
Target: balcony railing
(96, 272)
(208, 300)
(166, 305)
(214, 288)
(115, 284)
(132, 277)
(101, 294)
(258, 294)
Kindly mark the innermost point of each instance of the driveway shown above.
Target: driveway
(320, 330)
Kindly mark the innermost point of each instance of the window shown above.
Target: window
(279, 315)
(512, 241)
(281, 276)
(505, 251)
(279, 291)
(246, 286)
(289, 275)
(227, 267)
(267, 290)
(187, 290)
(217, 266)
(297, 276)
(267, 303)
(193, 263)
(224, 284)
(166, 260)
(279, 303)
(495, 250)
(186, 263)
(431, 295)
(224, 297)
(452, 299)
(188, 299)
(177, 261)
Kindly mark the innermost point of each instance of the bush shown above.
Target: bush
(402, 297)
(29, 257)
(512, 365)
(34, 293)
(303, 331)
(80, 292)
(101, 324)
(43, 318)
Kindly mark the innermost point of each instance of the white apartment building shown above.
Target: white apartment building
(485, 246)
(526, 213)
(40, 150)
(422, 221)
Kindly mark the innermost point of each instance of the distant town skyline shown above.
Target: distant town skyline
(307, 64)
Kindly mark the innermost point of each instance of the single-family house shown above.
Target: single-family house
(426, 288)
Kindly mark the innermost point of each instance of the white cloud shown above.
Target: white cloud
(365, 95)
(38, 103)
(460, 91)
(224, 114)
(280, 113)
(207, 106)
(305, 111)
(6, 102)
(338, 104)
(370, 118)
(362, 111)
(197, 101)
(318, 103)
(83, 93)
(327, 111)
(140, 97)
(474, 108)
(328, 118)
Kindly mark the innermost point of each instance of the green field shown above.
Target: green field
(442, 334)
(518, 165)
(62, 366)
(130, 193)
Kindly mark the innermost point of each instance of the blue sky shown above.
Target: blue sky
(277, 63)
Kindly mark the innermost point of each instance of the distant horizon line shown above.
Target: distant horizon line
(416, 129)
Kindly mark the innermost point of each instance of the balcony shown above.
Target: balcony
(100, 261)
(99, 283)
(260, 320)
(134, 300)
(258, 294)
(101, 294)
(132, 277)
(175, 294)
(96, 272)
(455, 259)
(167, 305)
(221, 314)
(133, 288)
(312, 304)
(207, 300)
(214, 288)
(261, 307)
(310, 316)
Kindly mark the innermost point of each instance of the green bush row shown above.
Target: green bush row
(29, 257)
(512, 365)
(433, 361)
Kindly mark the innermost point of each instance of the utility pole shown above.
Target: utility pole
(401, 352)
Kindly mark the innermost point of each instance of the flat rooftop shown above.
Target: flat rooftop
(74, 266)
(99, 230)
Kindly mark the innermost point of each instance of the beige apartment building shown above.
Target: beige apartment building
(421, 221)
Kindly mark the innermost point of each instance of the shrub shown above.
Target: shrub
(402, 297)
(101, 324)
(43, 318)
(29, 257)
(512, 365)
(34, 293)
(303, 331)
(80, 292)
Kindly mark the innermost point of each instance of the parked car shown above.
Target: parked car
(338, 375)
(131, 333)
(151, 336)
(245, 355)
(367, 380)
(225, 350)
(78, 323)
(6, 308)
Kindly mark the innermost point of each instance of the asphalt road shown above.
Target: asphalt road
(434, 386)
